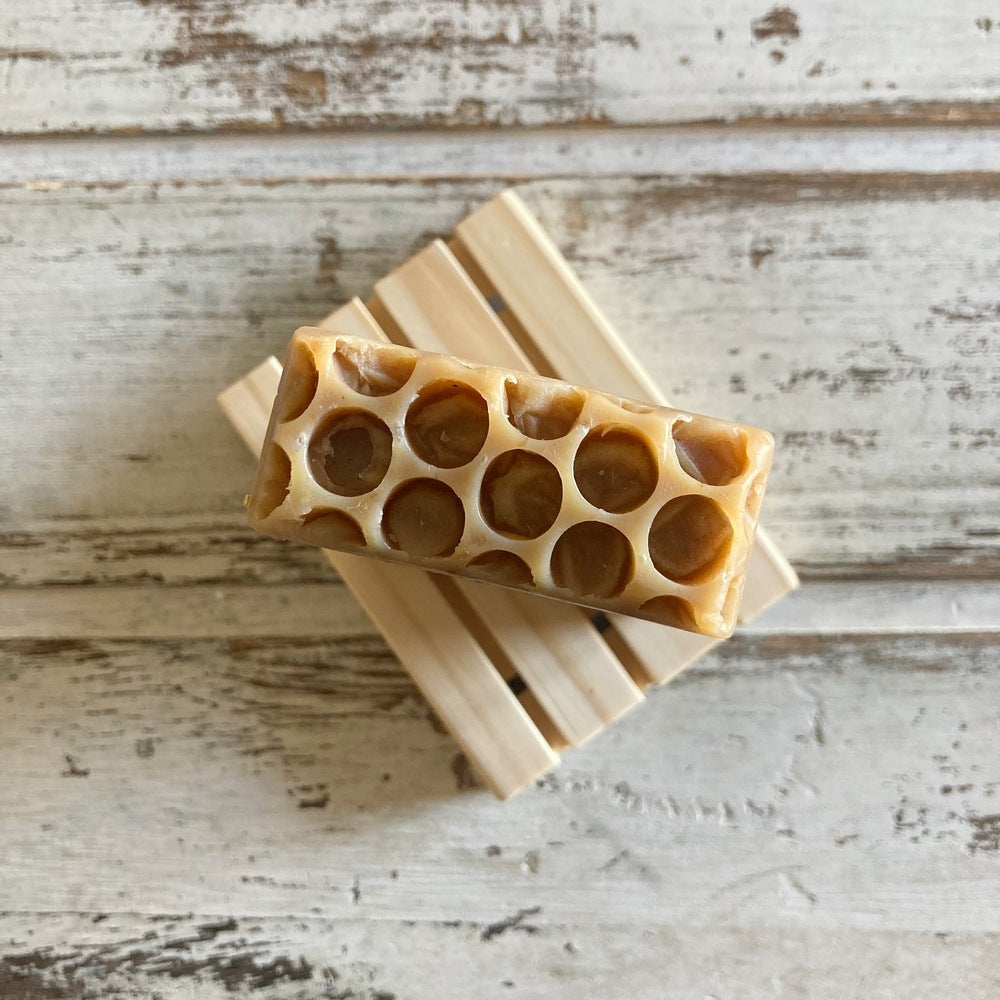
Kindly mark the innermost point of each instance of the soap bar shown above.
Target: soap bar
(513, 478)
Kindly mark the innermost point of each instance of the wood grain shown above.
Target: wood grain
(453, 669)
(513, 154)
(577, 680)
(326, 610)
(198, 65)
(809, 782)
(202, 802)
(820, 308)
(291, 958)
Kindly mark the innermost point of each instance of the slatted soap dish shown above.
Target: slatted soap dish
(515, 677)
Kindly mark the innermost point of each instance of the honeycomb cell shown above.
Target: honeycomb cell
(541, 409)
(272, 487)
(487, 472)
(521, 494)
(423, 517)
(671, 610)
(615, 469)
(447, 423)
(331, 529)
(710, 451)
(592, 560)
(349, 452)
(299, 382)
(689, 539)
(502, 567)
(372, 369)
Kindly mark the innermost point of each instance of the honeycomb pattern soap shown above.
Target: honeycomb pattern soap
(517, 479)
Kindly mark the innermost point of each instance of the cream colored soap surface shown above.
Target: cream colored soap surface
(526, 481)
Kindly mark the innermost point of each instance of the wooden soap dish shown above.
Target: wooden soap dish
(516, 678)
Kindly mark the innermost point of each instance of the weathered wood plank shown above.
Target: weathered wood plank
(222, 551)
(213, 957)
(136, 65)
(176, 549)
(512, 154)
(818, 306)
(814, 782)
(326, 610)
(816, 788)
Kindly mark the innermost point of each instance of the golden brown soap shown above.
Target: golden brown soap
(513, 478)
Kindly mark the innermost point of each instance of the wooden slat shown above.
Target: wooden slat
(561, 657)
(649, 651)
(438, 308)
(244, 401)
(538, 285)
(247, 403)
(576, 343)
(535, 658)
(556, 649)
(353, 319)
(444, 660)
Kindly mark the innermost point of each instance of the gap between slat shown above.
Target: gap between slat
(508, 670)
(477, 627)
(579, 712)
(504, 313)
(625, 652)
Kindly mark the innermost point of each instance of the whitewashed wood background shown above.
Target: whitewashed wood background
(217, 781)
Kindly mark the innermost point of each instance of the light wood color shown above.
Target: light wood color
(578, 680)
(557, 652)
(561, 327)
(543, 301)
(556, 649)
(438, 308)
(445, 661)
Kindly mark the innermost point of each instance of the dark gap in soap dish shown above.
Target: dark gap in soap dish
(385, 319)
(501, 662)
(601, 622)
(505, 313)
(517, 685)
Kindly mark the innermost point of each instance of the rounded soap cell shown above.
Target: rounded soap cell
(423, 517)
(349, 452)
(592, 559)
(615, 469)
(521, 494)
(447, 424)
(689, 539)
